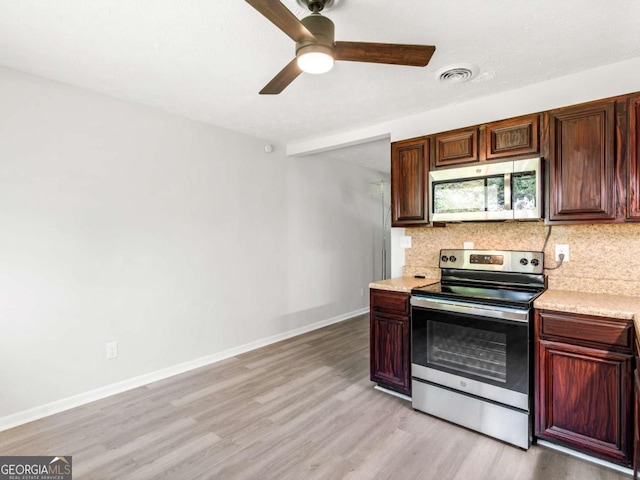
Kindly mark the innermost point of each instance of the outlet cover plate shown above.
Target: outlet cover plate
(562, 248)
(405, 241)
(112, 350)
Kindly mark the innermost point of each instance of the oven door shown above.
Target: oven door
(479, 350)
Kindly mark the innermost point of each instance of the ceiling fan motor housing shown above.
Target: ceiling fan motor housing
(323, 30)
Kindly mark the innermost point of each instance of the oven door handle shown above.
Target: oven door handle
(502, 313)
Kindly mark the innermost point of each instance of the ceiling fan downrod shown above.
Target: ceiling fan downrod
(316, 6)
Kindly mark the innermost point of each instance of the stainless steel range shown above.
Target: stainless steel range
(472, 341)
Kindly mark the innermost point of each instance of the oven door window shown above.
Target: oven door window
(484, 349)
(468, 350)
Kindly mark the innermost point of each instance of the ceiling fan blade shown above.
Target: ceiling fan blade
(287, 75)
(282, 18)
(396, 54)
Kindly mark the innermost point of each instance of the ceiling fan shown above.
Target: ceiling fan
(316, 48)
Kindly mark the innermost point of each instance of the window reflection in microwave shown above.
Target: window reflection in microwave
(475, 195)
(524, 191)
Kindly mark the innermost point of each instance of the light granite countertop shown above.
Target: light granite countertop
(402, 284)
(598, 304)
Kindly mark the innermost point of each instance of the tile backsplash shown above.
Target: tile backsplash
(603, 258)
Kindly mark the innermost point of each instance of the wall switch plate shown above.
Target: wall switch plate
(112, 350)
(468, 245)
(562, 248)
(405, 241)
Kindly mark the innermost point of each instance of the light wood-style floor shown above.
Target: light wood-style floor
(300, 409)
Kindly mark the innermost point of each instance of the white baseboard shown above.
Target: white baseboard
(26, 416)
(582, 456)
(391, 392)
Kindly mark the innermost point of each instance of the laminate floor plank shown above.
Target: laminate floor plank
(303, 408)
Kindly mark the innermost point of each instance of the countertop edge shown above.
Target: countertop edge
(621, 307)
(401, 284)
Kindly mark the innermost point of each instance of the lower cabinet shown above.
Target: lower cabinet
(390, 340)
(636, 423)
(584, 390)
(636, 429)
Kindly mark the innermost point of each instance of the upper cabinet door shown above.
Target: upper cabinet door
(513, 137)
(582, 163)
(633, 188)
(456, 147)
(409, 164)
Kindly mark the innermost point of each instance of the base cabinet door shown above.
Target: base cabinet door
(389, 362)
(636, 427)
(390, 337)
(585, 399)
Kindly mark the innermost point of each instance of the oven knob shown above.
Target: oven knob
(444, 258)
(524, 261)
(452, 258)
(535, 262)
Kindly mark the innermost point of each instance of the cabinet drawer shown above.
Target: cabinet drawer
(608, 332)
(392, 302)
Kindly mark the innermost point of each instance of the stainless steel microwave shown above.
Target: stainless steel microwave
(493, 191)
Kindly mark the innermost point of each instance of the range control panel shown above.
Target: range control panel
(487, 259)
(493, 260)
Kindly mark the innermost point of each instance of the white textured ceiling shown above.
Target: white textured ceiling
(207, 59)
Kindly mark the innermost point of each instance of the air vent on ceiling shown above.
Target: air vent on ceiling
(457, 73)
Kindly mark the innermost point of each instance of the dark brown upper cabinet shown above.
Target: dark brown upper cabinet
(592, 153)
(513, 137)
(456, 147)
(633, 186)
(582, 163)
(409, 165)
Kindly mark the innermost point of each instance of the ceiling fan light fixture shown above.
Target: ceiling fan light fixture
(315, 59)
(317, 50)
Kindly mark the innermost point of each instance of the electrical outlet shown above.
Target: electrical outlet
(112, 350)
(564, 249)
(362, 292)
(467, 245)
(405, 241)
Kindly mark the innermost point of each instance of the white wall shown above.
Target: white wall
(175, 238)
(397, 253)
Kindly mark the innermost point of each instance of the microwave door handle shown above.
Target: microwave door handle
(507, 191)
